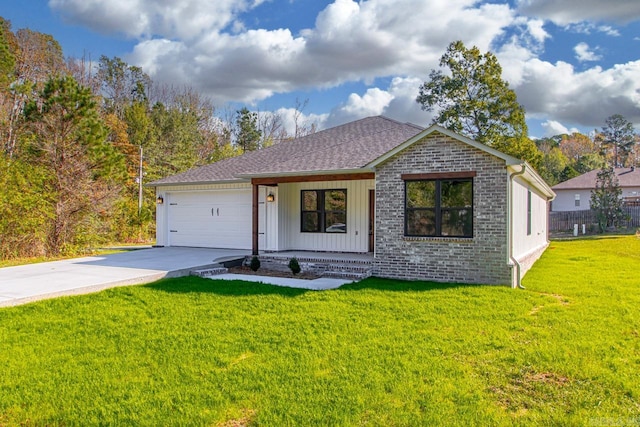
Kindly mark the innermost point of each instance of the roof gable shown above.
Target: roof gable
(523, 168)
(439, 129)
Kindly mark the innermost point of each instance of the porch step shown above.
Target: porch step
(211, 271)
(355, 269)
(313, 260)
(342, 274)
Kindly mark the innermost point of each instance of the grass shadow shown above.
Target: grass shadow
(381, 284)
(193, 284)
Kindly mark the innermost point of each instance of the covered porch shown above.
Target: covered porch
(314, 214)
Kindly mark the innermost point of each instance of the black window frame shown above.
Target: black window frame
(321, 211)
(438, 209)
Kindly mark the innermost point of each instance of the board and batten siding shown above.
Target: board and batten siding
(356, 239)
(528, 247)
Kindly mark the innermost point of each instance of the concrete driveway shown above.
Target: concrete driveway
(26, 283)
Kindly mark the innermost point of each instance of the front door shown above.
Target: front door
(372, 219)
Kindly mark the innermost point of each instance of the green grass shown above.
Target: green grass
(190, 351)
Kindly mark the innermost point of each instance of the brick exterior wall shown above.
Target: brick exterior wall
(481, 259)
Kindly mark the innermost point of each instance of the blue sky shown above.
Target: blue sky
(572, 63)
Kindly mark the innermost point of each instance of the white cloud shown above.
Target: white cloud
(397, 101)
(586, 27)
(608, 30)
(552, 128)
(290, 116)
(564, 12)
(587, 97)
(149, 18)
(207, 45)
(585, 54)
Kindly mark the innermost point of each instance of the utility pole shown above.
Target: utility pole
(140, 184)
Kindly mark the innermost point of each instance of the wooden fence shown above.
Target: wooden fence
(564, 221)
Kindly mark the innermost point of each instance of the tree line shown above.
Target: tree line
(74, 135)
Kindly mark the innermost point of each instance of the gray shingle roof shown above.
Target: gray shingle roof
(346, 147)
(627, 177)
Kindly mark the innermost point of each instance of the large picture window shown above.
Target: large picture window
(439, 207)
(324, 211)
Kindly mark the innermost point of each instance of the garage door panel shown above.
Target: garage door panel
(220, 219)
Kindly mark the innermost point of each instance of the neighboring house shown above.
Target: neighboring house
(575, 193)
(428, 203)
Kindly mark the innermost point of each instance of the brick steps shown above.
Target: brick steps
(211, 271)
(324, 267)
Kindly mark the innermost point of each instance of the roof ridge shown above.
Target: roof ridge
(401, 123)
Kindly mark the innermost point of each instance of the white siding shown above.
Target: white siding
(525, 244)
(356, 239)
(565, 199)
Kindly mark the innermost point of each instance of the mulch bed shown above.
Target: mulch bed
(272, 273)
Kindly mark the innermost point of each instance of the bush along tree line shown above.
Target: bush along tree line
(74, 135)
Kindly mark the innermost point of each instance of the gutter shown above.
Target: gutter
(512, 260)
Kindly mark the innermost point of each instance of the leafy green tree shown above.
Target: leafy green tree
(472, 99)
(121, 84)
(606, 201)
(618, 135)
(68, 139)
(552, 165)
(521, 148)
(590, 162)
(567, 173)
(38, 56)
(7, 55)
(576, 145)
(26, 208)
(247, 133)
(176, 140)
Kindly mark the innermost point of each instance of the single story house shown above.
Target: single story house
(428, 203)
(575, 193)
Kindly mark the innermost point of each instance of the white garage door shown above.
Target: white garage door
(210, 219)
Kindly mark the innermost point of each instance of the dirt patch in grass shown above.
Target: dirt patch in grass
(527, 389)
(245, 420)
(273, 273)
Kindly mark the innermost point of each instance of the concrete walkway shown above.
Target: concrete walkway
(32, 282)
(320, 284)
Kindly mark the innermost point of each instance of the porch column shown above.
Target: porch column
(254, 225)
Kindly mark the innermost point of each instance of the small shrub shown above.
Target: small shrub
(255, 263)
(294, 266)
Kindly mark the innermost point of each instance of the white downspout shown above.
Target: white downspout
(510, 227)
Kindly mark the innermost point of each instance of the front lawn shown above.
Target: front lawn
(190, 351)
